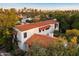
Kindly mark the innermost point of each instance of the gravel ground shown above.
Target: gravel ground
(4, 53)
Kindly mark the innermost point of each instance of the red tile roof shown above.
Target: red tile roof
(33, 25)
(38, 39)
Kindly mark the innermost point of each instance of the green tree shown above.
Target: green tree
(8, 20)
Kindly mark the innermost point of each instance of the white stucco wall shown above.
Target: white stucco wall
(19, 39)
(19, 34)
(36, 31)
(29, 33)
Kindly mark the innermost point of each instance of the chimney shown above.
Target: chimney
(55, 19)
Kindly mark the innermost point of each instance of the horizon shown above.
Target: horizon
(42, 6)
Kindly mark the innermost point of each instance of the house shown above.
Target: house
(37, 18)
(25, 19)
(28, 31)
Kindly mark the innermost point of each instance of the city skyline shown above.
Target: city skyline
(49, 6)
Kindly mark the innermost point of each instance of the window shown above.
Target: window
(56, 25)
(39, 30)
(43, 29)
(25, 35)
(47, 28)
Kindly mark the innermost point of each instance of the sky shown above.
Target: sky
(50, 6)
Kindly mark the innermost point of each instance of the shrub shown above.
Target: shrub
(74, 40)
(73, 32)
(36, 50)
(56, 33)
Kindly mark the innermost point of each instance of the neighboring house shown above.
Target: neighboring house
(25, 19)
(25, 32)
(37, 18)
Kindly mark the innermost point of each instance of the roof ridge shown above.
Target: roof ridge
(42, 35)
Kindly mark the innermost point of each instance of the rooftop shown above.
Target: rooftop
(38, 39)
(26, 26)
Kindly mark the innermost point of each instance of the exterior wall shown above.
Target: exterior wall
(36, 31)
(19, 39)
(49, 31)
(19, 35)
(29, 33)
